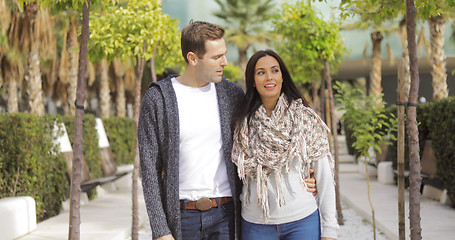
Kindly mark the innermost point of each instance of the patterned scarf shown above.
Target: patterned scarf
(270, 144)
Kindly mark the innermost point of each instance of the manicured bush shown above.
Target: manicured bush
(441, 127)
(121, 133)
(30, 164)
(423, 114)
(436, 122)
(90, 147)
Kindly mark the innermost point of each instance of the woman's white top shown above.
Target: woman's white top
(299, 203)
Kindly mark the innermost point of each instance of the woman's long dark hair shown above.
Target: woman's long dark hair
(252, 100)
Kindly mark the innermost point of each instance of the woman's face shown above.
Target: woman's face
(268, 79)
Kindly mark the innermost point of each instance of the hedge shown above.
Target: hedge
(90, 147)
(30, 164)
(441, 126)
(436, 122)
(121, 133)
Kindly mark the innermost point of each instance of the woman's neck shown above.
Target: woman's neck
(269, 105)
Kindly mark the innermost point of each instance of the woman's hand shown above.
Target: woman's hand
(166, 237)
(311, 183)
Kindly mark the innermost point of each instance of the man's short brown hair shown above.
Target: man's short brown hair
(195, 34)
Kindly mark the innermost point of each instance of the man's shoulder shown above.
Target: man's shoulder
(230, 86)
(161, 87)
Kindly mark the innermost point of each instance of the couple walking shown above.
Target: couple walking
(221, 164)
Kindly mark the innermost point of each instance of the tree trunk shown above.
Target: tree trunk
(406, 74)
(121, 99)
(334, 121)
(105, 91)
(322, 98)
(400, 153)
(137, 105)
(12, 78)
(73, 57)
(413, 133)
(438, 57)
(316, 102)
(33, 77)
(243, 60)
(152, 63)
(375, 74)
(404, 81)
(75, 218)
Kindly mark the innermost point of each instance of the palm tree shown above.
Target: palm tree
(72, 47)
(404, 71)
(105, 91)
(245, 23)
(120, 100)
(33, 77)
(438, 57)
(375, 74)
(12, 48)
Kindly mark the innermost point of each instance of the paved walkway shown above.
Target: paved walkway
(437, 220)
(109, 216)
(106, 218)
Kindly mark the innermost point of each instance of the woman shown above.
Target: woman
(277, 139)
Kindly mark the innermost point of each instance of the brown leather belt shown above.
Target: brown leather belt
(204, 204)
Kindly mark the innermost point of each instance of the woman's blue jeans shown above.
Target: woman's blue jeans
(308, 228)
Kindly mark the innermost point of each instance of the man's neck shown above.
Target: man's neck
(191, 78)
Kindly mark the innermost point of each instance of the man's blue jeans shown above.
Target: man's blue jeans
(307, 228)
(214, 224)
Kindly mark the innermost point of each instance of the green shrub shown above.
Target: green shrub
(423, 114)
(232, 72)
(371, 126)
(121, 133)
(441, 126)
(90, 147)
(28, 166)
(350, 139)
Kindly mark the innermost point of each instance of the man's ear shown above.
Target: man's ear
(192, 58)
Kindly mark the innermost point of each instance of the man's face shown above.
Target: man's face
(210, 66)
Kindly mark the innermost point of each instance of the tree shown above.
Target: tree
(245, 23)
(371, 127)
(84, 7)
(390, 9)
(29, 39)
(140, 30)
(368, 11)
(436, 15)
(312, 49)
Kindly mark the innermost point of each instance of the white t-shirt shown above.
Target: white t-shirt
(202, 170)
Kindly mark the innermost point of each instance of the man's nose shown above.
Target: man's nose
(224, 61)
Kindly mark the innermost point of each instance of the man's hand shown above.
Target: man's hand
(325, 238)
(166, 237)
(311, 183)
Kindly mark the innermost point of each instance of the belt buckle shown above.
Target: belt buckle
(203, 204)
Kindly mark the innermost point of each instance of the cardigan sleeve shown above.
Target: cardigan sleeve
(151, 164)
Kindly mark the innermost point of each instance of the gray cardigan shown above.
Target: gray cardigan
(158, 138)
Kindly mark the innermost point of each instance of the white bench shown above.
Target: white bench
(17, 217)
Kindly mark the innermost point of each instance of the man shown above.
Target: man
(190, 184)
